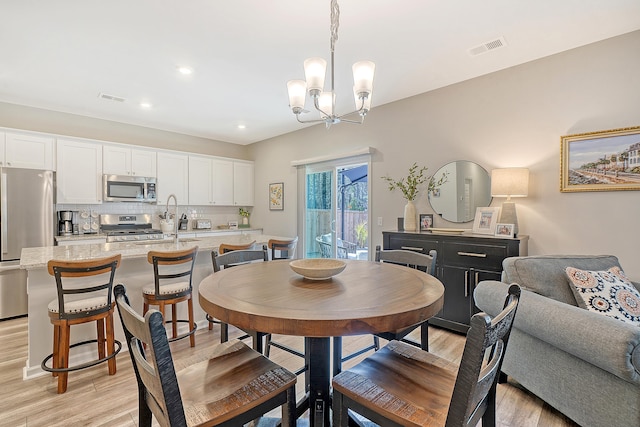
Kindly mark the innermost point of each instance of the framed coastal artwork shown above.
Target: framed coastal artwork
(486, 220)
(600, 161)
(276, 196)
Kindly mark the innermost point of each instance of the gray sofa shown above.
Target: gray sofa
(584, 364)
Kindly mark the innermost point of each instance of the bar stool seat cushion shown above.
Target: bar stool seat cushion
(78, 306)
(167, 289)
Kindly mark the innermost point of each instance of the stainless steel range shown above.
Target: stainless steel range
(129, 227)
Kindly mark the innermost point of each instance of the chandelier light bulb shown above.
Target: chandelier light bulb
(363, 76)
(314, 72)
(325, 103)
(297, 92)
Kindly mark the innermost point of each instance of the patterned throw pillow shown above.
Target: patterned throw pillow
(606, 292)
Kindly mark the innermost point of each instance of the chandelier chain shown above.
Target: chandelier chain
(335, 23)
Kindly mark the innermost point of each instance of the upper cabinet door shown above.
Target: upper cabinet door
(79, 175)
(243, 183)
(173, 177)
(28, 151)
(120, 160)
(222, 182)
(200, 180)
(116, 160)
(2, 145)
(143, 163)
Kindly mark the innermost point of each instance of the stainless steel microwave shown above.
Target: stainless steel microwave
(123, 188)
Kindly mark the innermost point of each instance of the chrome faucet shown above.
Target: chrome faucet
(175, 217)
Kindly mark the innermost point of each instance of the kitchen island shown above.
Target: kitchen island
(134, 272)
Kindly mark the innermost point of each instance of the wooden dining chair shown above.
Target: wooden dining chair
(173, 276)
(230, 259)
(82, 300)
(409, 259)
(231, 387)
(223, 249)
(402, 385)
(412, 259)
(282, 249)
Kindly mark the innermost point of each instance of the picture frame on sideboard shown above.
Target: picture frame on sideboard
(486, 220)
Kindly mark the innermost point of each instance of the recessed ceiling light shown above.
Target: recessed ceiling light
(145, 105)
(185, 70)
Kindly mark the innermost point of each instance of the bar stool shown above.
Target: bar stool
(168, 266)
(78, 304)
(227, 247)
(282, 249)
(223, 249)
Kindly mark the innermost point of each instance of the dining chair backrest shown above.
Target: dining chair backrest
(283, 249)
(158, 389)
(68, 290)
(409, 258)
(232, 258)
(484, 350)
(171, 265)
(227, 247)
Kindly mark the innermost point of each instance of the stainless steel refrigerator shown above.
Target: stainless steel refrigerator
(27, 219)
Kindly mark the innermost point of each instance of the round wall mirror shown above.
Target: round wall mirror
(468, 187)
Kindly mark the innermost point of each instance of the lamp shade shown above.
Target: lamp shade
(363, 76)
(297, 92)
(510, 182)
(314, 72)
(325, 103)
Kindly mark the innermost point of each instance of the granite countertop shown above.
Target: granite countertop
(39, 257)
(89, 236)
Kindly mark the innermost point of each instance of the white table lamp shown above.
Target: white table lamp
(510, 182)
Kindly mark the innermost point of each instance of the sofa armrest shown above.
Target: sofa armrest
(607, 343)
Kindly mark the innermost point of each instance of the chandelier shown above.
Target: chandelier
(325, 102)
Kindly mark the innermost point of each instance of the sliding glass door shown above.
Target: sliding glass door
(336, 210)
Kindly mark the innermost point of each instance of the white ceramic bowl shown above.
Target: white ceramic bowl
(317, 268)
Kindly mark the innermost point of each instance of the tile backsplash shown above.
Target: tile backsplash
(218, 215)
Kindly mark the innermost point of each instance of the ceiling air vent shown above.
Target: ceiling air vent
(111, 97)
(487, 46)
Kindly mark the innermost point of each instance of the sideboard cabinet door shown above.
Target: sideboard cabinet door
(463, 261)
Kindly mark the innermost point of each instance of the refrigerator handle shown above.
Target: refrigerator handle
(3, 211)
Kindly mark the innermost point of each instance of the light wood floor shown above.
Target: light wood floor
(97, 399)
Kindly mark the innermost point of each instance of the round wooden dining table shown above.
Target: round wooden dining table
(367, 297)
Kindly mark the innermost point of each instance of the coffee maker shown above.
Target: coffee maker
(65, 223)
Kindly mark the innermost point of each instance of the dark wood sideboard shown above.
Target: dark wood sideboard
(463, 261)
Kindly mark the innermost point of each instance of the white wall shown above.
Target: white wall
(511, 118)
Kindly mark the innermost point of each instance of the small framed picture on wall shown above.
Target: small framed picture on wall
(426, 222)
(276, 196)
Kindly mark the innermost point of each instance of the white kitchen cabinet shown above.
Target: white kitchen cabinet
(173, 177)
(243, 183)
(120, 160)
(223, 182)
(27, 151)
(201, 180)
(215, 181)
(79, 176)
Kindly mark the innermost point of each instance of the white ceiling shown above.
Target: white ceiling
(60, 55)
